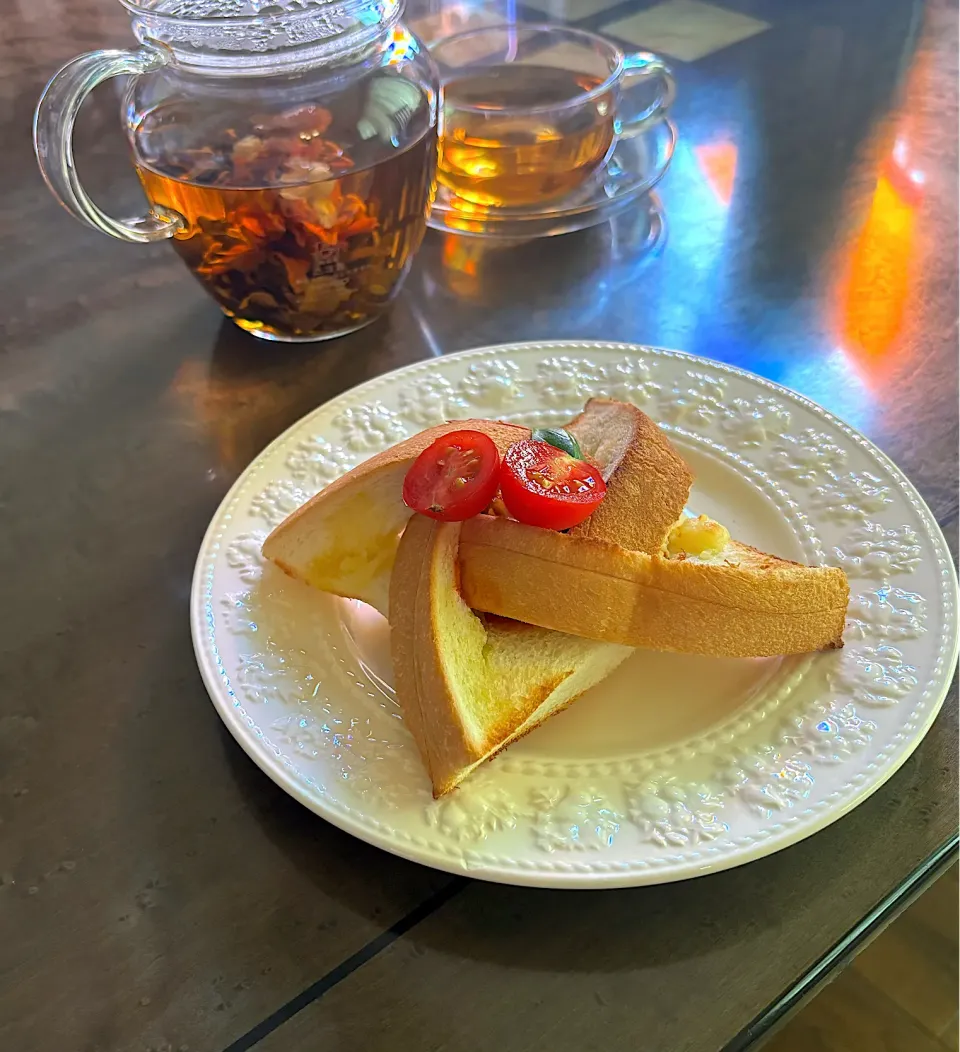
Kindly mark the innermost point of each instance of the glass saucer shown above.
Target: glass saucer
(635, 167)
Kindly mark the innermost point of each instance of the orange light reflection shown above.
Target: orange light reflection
(718, 162)
(461, 260)
(875, 282)
(880, 268)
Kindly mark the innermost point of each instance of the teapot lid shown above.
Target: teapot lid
(260, 36)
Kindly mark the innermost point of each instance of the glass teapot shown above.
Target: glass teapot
(287, 148)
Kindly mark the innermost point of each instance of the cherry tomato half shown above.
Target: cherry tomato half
(543, 486)
(455, 478)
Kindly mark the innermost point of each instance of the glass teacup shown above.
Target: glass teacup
(531, 112)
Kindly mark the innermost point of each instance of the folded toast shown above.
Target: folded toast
(739, 602)
(470, 685)
(343, 540)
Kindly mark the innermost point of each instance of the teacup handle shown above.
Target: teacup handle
(643, 66)
(53, 140)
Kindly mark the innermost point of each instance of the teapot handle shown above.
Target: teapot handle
(53, 140)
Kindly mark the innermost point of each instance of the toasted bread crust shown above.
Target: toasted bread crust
(648, 482)
(762, 607)
(427, 698)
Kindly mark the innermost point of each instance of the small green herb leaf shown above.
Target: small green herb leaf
(559, 437)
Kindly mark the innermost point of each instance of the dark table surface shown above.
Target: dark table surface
(156, 890)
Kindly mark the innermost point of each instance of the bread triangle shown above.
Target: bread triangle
(470, 685)
(344, 539)
(739, 603)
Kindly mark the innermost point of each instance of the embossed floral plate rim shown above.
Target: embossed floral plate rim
(674, 862)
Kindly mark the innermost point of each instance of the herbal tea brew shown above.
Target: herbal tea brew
(492, 156)
(294, 236)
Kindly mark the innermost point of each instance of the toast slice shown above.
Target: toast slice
(648, 482)
(470, 685)
(739, 602)
(344, 539)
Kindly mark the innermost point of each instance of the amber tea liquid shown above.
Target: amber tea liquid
(492, 156)
(293, 236)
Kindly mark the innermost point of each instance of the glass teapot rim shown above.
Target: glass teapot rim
(171, 12)
(259, 36)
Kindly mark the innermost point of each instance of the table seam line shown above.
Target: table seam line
(345, 968)
(801, 990)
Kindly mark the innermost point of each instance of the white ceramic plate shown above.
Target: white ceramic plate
(675, 765)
